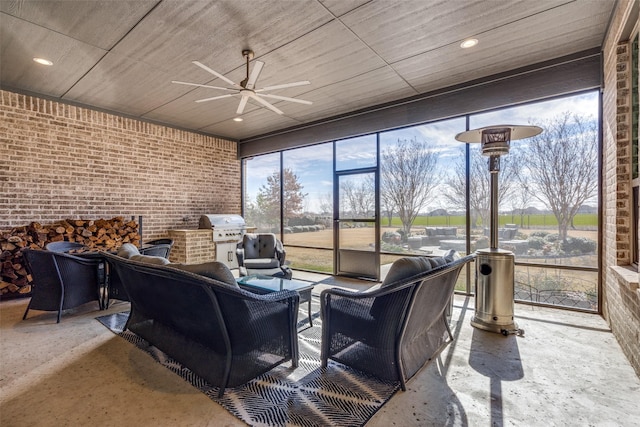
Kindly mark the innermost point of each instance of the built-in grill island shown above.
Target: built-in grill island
(215, 239)
(228, 230)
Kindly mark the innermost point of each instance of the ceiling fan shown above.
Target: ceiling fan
(246, 89)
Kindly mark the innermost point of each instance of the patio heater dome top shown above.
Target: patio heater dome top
(516, 132)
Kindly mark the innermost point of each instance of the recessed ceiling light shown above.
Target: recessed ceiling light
(237, 119)
(43, 61)
(466, 44)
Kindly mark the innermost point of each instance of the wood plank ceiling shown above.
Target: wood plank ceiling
(121, 56)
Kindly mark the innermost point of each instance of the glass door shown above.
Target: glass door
(356, 228)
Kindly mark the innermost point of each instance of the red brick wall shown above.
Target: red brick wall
(60, 161)
(621, 296)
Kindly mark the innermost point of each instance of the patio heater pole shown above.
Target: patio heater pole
(494, 169)
(494, 266)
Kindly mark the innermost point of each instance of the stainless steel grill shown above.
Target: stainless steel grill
(228, 230)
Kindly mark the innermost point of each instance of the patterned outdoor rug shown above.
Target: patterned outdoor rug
(306, 396)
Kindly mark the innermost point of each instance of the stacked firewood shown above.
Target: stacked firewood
(96, 235)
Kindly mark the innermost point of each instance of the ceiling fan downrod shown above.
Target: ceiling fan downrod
(248, 55)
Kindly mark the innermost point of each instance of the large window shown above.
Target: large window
(356, 153)
(308, 207)
(434, 195)
(422, 192)
(262, 192)
(548, 199)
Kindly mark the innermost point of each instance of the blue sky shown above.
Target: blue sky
(313, 165)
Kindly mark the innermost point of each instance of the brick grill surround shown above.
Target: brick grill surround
(62, 161)
(192, 246)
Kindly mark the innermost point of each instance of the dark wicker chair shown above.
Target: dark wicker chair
(262, 254)
(222, 333)
(391, 332)
(115, 288)
(66, 247)
(158, 247)
(61, 281)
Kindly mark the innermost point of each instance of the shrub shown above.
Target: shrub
(482, 242)
(390, 247)
(578, 245)
(391, 237)
(539, 234)
(536, 242)
(301, 220)
(551, 238)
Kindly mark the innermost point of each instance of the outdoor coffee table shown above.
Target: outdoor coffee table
(266, 284)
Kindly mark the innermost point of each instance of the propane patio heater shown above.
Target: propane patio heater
(495, 267)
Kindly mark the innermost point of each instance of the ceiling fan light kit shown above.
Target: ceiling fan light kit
(246, 88)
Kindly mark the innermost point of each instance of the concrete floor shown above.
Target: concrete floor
(568, 370)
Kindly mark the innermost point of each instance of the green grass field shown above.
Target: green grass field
(527, 221)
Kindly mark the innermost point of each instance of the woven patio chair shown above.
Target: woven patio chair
(393, 331)
(157, 247)
(262, 254)
(66, 247)
(61, 281)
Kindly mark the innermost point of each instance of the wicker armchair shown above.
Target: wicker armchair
(61, 281)
(391, 332)
(115, 288)
(198, 315)
(262, 254)
(158, 247)
(66, 247)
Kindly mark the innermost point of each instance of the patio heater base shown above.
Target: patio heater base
(494, 292)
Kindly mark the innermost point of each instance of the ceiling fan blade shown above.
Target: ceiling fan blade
(294, 84)
(215, 73)
(207, 86)
(255, 73)
(267, 104)
(216, 97)
(243, 103)
(285, 98)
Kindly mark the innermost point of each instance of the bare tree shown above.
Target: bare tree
(561, 169)
(387, 207)
(326, 203)
(357, 198)
(386, 202)
(408, 177)
(480, 184)
(520, 201)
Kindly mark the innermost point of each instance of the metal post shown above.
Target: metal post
(494, 169)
